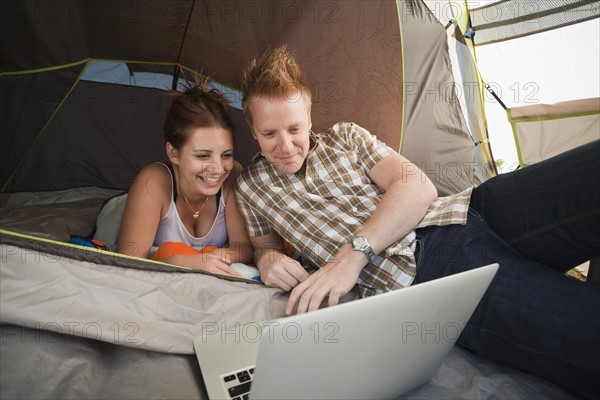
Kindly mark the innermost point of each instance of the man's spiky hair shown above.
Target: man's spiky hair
(275, 74)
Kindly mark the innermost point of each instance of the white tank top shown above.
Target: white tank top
(171, 228)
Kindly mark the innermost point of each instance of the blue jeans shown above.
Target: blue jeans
(537, 223)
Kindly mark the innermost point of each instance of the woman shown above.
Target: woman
(191, 199)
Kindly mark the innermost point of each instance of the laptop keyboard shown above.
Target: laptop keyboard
(238, 383)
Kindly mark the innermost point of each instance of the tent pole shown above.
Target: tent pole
(399, 16)
(175, 77)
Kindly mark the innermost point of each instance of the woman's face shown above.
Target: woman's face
(204, 162)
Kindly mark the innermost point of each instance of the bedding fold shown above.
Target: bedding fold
(148, 309)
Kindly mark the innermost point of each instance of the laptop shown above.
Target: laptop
(377, 347)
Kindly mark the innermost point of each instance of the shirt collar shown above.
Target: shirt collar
(312, 140)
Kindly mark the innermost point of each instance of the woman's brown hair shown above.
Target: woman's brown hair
(197, 107)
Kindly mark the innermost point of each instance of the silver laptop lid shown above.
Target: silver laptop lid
(377, 347)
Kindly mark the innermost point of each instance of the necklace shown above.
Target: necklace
(196, 213)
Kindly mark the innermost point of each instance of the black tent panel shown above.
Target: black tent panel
(102, 136)
(27, 104)
(40, 34)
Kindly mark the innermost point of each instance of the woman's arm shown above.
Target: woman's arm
(148, 196)
(148, 200)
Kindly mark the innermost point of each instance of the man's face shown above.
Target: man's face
(281, 125)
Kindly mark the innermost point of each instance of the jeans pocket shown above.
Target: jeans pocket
(419, 249)
(475, 214)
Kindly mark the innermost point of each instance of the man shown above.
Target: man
(366, 216)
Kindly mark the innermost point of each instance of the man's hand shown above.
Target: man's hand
(279, 270)
(334, 280)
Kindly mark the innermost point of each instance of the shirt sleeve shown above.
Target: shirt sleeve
(256, 224)
(366, 146)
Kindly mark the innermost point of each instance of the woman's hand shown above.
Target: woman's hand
(215, 262)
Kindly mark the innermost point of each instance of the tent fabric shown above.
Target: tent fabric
(87, 324)
(365, 60)
(545, 130)
(432, 105)
(467, 76)
(382, 64)
(160, 311)
(38, 34)
(102, 136)
(89, 134)
(510, 19)
(85, 368)
(28, 102)
(527, 61)
(105, 370)
(140, 75)
(86, 329)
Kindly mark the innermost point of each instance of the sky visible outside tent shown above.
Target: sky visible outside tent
(549, 67)
(117, 72)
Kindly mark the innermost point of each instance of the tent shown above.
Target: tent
(82, 86)
(536, 72)
(364, 68)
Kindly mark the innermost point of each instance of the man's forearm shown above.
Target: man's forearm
(401, 208)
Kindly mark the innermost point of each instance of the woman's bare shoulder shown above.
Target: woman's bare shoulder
(156, 172)
(154, 178)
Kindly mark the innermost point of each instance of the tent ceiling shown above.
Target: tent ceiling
(39, 34)
(352, 52)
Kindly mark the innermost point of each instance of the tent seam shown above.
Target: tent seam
(403, 78)
(85, 248)
(553, 117)
(69, 65)
(487, 150)
(515, 137)
(514, 121)
(6, 237)
(187, 25)
(46, 69)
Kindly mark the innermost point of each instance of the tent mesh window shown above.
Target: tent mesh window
(511, 19)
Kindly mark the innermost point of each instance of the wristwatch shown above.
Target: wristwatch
(360, 243)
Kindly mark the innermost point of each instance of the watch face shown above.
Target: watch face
(359, 242)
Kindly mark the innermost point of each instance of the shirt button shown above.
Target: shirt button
(308, 179)
(354, 209)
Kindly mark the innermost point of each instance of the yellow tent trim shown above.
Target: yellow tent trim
(87, 62)
(403, 77)
(513, 122)
(46, 69)
(85, 248)
(119, 255)
(515, 137)
(550, 118)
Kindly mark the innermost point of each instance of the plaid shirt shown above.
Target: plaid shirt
(320, 211)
